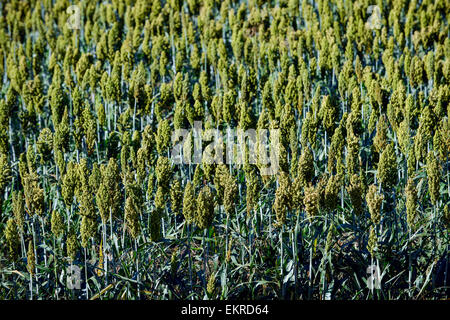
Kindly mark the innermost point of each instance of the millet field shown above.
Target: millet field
(347, 197)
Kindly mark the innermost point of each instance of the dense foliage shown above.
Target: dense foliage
(87, 112)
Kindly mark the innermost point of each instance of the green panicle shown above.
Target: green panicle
(328, 113)
(372, 243)
(297, 193)
(18, 208)
(374, 201)
(433, 174)
(132, 217)
(71, 245)
(189, 204)
(352, 154)
(61, 138)
(111, 178)
(163, 173)
(68, 184)
(31, 259)
(57, 224)
(12, 239)
(356, 194)
(45, 144)
(160, 201)
(205, 208)
(31, 160)
(311, 201)
(306, 166)
(380, 140)
(88, 230)
(198, 176)
(155, 225)
(90, 129)
(387, 167)
(411, 204)
(95, 178)
(60, 162)
(5, 173)
(282, 203)
(102, 201)
(219, 181)
(211, 286)
(176, 197)
(403, 136)
(34, 195)
(446, 216)
(421, 140)
(231, 194)
(332, 192)
(163, 138)
(411, 162)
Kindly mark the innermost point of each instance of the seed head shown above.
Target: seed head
(189, 204)
(160, 201)
(421, 140)
(306, 166)
(403, 136)
(332, 192)
(31, 259)
(283, 198)
(220, 178)
(111, 178)
(72, 245)
(68, 184)
(205, 208)
(355, 191)
(18, 207)
(387, 167)
(163, 173)
(176, 196)
(433, 174)
(380, 140)
(210, 288)
(45, 144)
(231, 194)
(198, 176)
(311, 201)
(132, 217)
(446, 216)
(12, 239)
(155, 225)
(374, 201)
(372, 243)
(57, 224)
(163, 137)
(88, 230)
(411, 162)
(352, 154)
(95, 178)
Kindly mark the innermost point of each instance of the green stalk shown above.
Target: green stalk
(137, 269)
(189, 253)
(85, 274)
(282, 263)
